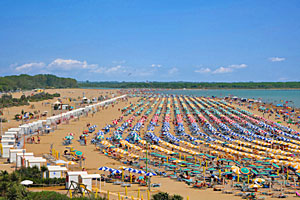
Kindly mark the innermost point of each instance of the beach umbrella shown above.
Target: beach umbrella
(78, 153)
(60, 162)
(254, 171)
(255, 186)
(150, 174)
(297, 174)
(141, 172)
(275, 165)
(268, 169)
(274, 176)
(245, 171)
(71, 163)
(263, 173)
(259, 167)
(235, 169)
(104, 168)
(259, 180)
(133, 170)
(26, 182)
(211, 169)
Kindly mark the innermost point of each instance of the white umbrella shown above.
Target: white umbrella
(26, 182)
(60, 162)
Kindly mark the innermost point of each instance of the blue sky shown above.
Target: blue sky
(157, 40)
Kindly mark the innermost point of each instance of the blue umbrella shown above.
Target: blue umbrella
(150, 174)
(104, 168)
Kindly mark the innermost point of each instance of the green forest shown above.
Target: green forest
(192, 85)
(27, 82)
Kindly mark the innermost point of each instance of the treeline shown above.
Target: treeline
(27, 82)
(192, 85)
(7, 100)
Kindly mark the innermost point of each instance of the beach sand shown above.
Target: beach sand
(94, 159)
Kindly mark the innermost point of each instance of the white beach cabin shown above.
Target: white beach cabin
(8, 142)
(87, 179)
(35, 161)
(4, 150)
(8, 137)
(56, 172)
(13, 154)
(21, 156)
(73, 176)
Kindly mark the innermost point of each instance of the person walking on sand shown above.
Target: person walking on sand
(38, 139)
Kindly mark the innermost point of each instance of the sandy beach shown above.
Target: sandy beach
(95, 159)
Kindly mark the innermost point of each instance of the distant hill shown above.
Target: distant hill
(27, 82)
(193, 85)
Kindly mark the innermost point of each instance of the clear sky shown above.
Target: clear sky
(154, 40)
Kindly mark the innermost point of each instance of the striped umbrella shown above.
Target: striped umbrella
(150, 174)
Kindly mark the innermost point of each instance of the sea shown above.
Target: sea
(289, 97)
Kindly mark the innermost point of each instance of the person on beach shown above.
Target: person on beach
(38, 139)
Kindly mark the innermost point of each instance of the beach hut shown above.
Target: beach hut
(8, 137)
(13, 154)
(4, 150)
(73, 176)
(55, 172)
(11, 133)
(35, 161)
(21, 157)
(8, 141)
(87, 179)
(14, 129)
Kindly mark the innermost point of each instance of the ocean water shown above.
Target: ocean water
(268, 96)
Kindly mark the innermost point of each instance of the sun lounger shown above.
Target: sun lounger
(126, 185)
(227, 191)
(155, 185)
(279, 195)
(117, 183)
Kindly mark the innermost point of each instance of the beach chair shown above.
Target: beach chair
(279, 195)
(155, 185)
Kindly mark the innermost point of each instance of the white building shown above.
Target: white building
(87, 179)
(13, 154)
(73, 176)
(56, 172)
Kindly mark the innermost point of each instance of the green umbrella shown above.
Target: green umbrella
(211, 169)
(266, 163)
(268, 169)
(273, 176)
(246, 159)
(78, 153)
(275, 165)
(227, 166)
(245, 171)
(263, 173)
(186, 170)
